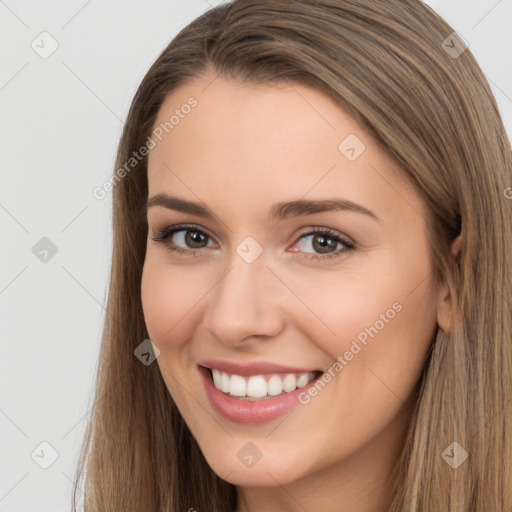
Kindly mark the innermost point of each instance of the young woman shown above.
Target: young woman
(312, 220)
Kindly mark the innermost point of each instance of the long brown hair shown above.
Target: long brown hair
(391, 65)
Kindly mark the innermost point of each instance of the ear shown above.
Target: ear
(445, 316)
(456, 247)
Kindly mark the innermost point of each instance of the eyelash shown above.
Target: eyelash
(168, 231)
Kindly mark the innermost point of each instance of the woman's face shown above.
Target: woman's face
(304, 251)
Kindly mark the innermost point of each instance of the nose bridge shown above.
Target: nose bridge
(242, 303)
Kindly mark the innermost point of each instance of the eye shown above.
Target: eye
(324, 241)
(187, 239)
(184, 238)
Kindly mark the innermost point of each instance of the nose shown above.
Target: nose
(246, 304)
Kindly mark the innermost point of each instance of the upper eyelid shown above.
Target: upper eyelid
(189, 227)
(311, 230)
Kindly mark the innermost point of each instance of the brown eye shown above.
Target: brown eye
(323, 242)
(184, 239)
(194, 239)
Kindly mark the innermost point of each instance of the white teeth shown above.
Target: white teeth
(290, 383)
(224, 383)
(303, 380)
(257, 386)
(217, 379)
(237, 386)
(274, 385)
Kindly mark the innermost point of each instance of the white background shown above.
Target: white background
(60, 122)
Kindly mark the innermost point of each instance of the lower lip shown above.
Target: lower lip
(249, 411)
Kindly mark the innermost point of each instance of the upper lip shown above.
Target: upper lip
(248, 369)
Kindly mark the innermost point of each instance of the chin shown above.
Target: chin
(268, 471)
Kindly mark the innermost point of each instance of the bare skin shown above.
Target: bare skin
(239, 151)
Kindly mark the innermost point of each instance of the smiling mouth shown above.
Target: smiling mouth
(262, 386)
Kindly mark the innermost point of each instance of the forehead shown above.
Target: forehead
(264, 143)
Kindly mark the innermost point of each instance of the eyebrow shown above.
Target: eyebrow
(278, 211)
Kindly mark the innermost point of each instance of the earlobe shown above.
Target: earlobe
(445, 315)
(444, 309)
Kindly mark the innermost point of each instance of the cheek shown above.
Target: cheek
(365, 311)
(380, 316)
(168, 297)
(170, 300)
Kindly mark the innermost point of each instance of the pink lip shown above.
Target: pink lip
(239, 410)
(248, 369)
